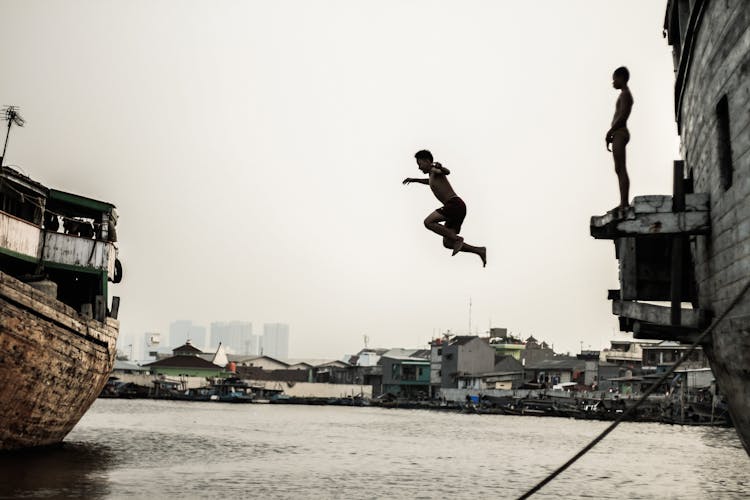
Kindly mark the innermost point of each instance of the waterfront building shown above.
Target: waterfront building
(534, 351)
(606, 373)
(559, 370)
(463, 358)
(436, 366)
(150, 345)
(275, 340)
(187, 349)
(406, 374)
(264, 362)
(127, 368)
(660, 357)
(335, 372)
(507, 374)
(591, 363)
(626, 352)
(189, 361)
(365, 369)
(368, 357)
(505, 344)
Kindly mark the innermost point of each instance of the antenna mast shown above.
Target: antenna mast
(12, 116)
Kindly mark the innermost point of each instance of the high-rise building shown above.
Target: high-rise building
(275, 341)
(183, 330)
(236, 337)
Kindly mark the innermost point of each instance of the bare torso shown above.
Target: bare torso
(441, 187)
(622, 109)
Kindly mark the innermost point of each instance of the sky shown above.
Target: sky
(255, 152)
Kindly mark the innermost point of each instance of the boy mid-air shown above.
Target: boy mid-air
(453, 210)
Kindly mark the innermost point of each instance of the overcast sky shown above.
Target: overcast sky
(255, 151)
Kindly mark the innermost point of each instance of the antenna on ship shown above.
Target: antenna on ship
(10, 113)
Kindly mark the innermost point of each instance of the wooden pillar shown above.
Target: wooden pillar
(115, 307)
(100, 308)
(678, 243)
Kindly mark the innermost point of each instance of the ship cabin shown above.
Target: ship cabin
(60, 243)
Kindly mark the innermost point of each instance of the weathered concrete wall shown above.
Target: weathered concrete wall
(721, 67)
(53, 365)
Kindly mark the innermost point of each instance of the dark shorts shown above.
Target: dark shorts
(454, 212)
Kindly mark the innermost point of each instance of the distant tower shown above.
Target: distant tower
(183, 330)
(236, 337)
(275, 341)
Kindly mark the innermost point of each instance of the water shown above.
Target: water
(163, 449)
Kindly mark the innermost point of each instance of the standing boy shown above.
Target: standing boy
(618, 135)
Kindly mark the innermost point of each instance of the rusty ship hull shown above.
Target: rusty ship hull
(53, 365)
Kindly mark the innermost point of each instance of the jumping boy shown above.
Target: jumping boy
(618, 135)
(453, 210)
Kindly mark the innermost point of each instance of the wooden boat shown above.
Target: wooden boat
(57, 330)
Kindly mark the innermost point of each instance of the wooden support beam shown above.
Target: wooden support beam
(628, 269)
(87, 311)
(678, 243)
(654, 214)
(115, 307)
(659, 203)
(626, 324)
(658, 315)
(644, 330)
(665, 223)
(100, 308)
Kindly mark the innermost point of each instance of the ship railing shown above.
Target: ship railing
(27, 241)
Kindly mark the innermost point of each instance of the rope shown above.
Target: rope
(651, 389)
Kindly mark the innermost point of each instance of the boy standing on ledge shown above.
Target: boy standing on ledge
(618, 135)
(453, 210)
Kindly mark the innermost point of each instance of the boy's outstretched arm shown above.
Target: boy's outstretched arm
(409, 180)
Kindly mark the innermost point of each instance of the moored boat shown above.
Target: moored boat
(57, 328)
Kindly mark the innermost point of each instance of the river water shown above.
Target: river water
(164, 449)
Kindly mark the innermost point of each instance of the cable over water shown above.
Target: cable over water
(640, 401)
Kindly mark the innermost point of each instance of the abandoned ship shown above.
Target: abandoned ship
(57, 330)
(692, 249)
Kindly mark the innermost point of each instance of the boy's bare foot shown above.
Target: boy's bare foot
(483, 256)
(457, 245)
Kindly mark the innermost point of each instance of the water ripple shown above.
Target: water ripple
(148, 449)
